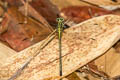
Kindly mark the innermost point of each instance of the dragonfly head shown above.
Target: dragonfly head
(59, 19)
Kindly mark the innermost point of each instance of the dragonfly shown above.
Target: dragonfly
(48, 39)
(60, 27)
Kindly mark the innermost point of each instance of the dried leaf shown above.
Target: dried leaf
(20, 35)
(82, 13)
